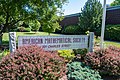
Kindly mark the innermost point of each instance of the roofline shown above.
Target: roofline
(108, 8)
(71, 15)
(113, 8)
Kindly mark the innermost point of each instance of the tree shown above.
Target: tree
(90, 17)
(35, 25)
(51, 24)
(115, 3)
(14, 11)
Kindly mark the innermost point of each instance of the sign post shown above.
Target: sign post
(12, 41)
(91, 41)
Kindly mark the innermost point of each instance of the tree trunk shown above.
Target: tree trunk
(1, 33)
(49, 34)
(4, 27)
(1, 40)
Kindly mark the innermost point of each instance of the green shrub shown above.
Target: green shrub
(67, 54)
(32, 63)
(1, 55)
(4, 53)
(70, 30)
(80, 54)
(23, 29)
(80, 51)
(106, 61)
(112, 32)
(77, 71)
(27, 30)
(13, 30)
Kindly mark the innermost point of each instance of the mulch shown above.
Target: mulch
(105, 77)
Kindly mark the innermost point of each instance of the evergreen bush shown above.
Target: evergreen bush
(112, 32)
(70, 30)
(77, 71)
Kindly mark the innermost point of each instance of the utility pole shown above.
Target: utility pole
(103, 25)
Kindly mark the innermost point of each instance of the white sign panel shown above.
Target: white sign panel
(60, 42)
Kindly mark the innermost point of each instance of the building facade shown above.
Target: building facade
(112, 17)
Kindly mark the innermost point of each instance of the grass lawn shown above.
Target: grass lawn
(109, 43)
(6, 36)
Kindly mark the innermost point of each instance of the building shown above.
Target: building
(70, 20)
(112, 17)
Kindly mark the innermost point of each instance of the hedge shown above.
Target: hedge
(112, 32)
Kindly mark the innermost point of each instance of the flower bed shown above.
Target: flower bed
(31, 63)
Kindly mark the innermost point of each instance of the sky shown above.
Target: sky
(74, 6)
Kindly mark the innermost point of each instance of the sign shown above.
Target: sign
(60, 42)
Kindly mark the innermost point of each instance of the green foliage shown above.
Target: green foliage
(80, 54)
(67, 54)
(70, 30)
(4, 53)
(112, 32)
(115, 3)
(77, 71)
(13, 30)
(32, 63)
(1, 19)
(51, 25)
(87, 32)
(90, 17)
(23, 29)
(27, 30)
(35, 25)
(80, 51)
(25, 24)
(45, 11)
(20, 29)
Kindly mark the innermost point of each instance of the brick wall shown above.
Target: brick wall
(112, 17)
